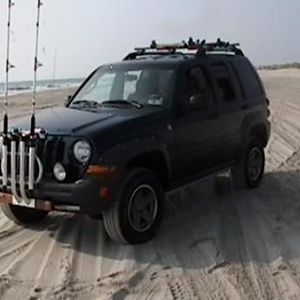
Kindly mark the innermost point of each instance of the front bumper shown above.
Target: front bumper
(24, 175)
(85, 193)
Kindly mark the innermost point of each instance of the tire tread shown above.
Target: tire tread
(22, 215)
(111, 217)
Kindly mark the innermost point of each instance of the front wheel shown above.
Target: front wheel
(250, 169)
(136, 214)
(23, 215)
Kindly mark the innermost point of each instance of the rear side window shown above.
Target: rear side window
(249, 79)
(224, 82)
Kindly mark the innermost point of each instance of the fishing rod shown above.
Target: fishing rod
(5, 117)
(8, 67)
(37, 64)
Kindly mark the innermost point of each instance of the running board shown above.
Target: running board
(226, 172)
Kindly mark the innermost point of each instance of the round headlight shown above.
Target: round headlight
(59, 172)
(82, 151)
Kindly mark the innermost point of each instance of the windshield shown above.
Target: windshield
(138, 87)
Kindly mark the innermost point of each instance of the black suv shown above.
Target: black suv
(163, 117)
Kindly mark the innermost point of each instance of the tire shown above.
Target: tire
(23, 215)
(125, 220)
(249, 171)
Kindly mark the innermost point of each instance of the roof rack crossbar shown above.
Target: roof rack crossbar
(201, 48)
(139, 53)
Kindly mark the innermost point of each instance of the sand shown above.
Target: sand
(19, 105)
(235, 245)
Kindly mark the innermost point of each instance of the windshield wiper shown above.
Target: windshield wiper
(122, 101)
(88, 103)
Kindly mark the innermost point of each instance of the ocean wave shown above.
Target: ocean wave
(42, 85)
(20, 88)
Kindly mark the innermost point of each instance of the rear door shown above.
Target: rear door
(229, 96)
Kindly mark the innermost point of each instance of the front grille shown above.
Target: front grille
(26, 165)
(51, 150)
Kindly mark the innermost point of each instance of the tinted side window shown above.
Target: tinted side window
(197, 83)
(224, 82)
(249, 79)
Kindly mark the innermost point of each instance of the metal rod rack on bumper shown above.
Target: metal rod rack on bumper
(21, 168)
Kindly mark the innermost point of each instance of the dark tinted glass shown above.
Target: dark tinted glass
(224, 82)
(198, 84)
(248, 78)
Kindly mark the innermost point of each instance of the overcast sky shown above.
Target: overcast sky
(87, 33)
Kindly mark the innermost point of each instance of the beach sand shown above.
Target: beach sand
(235, 245)
(19, 105)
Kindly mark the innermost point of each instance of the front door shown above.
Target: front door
(194, 128)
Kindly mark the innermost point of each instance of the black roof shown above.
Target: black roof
(163, 61)
(151, 61)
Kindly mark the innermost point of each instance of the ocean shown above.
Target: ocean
(17, 87)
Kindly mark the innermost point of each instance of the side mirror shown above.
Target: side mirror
(198, 102)
(67, 100)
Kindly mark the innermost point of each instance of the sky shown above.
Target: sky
(87, 33)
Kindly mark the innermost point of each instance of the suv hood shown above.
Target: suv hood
(68, 121)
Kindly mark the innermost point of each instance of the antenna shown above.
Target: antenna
(37, 64)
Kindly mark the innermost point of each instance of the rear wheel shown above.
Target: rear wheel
(250, 169)
(136, 214)
(23, 215)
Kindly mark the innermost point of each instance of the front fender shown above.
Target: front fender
(120, 155)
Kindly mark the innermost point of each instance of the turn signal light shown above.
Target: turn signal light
(97, 170)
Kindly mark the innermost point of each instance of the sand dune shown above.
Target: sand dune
(235, 245)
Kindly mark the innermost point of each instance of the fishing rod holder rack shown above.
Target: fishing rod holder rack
(21, 167)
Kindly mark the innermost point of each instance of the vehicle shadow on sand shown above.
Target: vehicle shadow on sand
(202, 228)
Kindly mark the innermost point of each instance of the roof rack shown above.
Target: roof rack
(201, 48)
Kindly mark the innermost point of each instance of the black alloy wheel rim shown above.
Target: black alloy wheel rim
(142, 208)
(255, 163)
